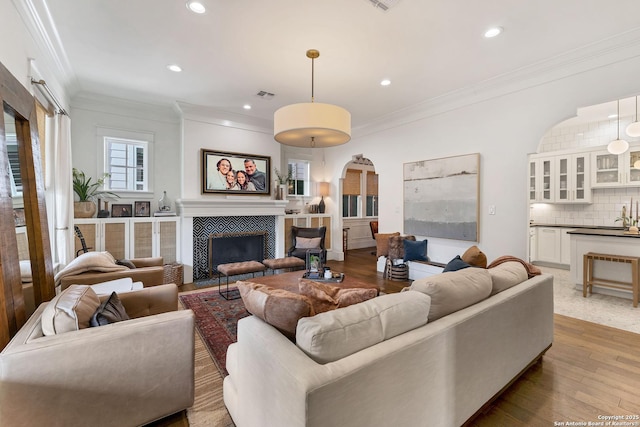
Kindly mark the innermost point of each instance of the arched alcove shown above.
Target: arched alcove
(358, 201)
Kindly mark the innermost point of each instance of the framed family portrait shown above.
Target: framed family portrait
(142, 209)
(120, 211)
(235, 173)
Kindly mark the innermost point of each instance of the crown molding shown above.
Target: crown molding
(40, 25)
(603, 53)
(125, 107)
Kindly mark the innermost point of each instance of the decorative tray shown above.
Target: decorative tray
(319, 277)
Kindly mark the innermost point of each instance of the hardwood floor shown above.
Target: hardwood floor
(591, 371)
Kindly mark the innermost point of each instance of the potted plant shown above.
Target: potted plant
(87, 192)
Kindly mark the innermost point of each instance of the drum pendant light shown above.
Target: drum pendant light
(312, 124)
(618, 146)
(633, 129)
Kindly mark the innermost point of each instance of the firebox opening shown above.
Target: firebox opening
(236, 247)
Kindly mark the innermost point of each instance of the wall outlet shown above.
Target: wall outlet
(492, 209)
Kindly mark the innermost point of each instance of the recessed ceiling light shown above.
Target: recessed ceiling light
(612, 116)
(492, 32)
(385, 82)
(196, 6)
(174, 67)
(246, 107)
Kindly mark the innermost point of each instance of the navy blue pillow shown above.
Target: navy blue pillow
(456, 264)
(415, 251)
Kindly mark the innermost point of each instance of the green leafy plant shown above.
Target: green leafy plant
(283, 178)
(87, 190)
(627, 220)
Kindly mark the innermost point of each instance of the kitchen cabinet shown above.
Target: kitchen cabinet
(572, 178)
(550, 245)
(127, 238)
(615, 170)
(541, 179)
(306, 220)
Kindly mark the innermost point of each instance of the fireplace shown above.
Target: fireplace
(236, 247)
(204, 227)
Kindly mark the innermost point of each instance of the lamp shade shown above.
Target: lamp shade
(633, 129)
(618, 146)
(323, 189)
(296, 125)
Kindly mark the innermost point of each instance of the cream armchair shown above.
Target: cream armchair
(123, 374)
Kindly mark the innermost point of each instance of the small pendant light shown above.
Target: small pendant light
(633, 129)
(618, 146)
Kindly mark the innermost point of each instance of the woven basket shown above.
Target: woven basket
(173, 273)
(398, 272)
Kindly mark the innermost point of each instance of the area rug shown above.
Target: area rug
(216, 321)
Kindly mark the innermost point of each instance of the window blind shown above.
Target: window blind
(351, 184)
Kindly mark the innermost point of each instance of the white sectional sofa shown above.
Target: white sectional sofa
(388, 361)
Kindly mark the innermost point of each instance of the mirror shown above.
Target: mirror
(19, 149)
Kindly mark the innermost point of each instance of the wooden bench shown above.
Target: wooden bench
(290, 262)
(588, 280)
(236, 268)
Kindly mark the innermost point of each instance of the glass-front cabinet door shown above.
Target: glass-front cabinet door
(541, 179)
(633, 166)
(606, 169)
(572, 179)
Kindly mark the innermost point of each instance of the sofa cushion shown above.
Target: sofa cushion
(325, 297)
(415, 251)
(455, 264)
(308, 243)
(335, 334)
(278, 307)
(454, 290)
(396, 246)
(110, 311)
(506, 275)
(70, 310)
(475, 257)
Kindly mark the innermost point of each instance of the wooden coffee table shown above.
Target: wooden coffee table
(289, 281)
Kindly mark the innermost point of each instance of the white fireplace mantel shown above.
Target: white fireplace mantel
(188, 209)
(230, 206)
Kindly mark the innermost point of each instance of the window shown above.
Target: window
(14, 164)
(299, 172)
(127, 159)
(360, 185)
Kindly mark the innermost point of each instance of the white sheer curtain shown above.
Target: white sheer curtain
(59, 138)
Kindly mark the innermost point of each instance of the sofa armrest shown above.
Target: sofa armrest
(126, 373)
(148, 262)
(149, 276)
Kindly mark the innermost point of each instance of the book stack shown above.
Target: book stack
(164, 213)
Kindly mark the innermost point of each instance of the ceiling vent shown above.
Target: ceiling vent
(265, 95)
(383, 4)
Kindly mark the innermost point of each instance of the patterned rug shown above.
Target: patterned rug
(216, 321)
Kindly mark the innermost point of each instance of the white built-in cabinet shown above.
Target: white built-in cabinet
(572, 178)
(127, 238)
(561, 178)
(541, 179)
(615, 170)
(552, 245)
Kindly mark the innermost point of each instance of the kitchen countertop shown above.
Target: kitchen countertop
(580, 227)
(602, 232)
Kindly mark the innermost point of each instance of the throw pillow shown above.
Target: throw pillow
(280, 308)
(475, 257)
(335, 334)
(308, 243)
(454, 290)
(415, 251)
(382, 243)
(506, 275)
(70, 310)
(110, 311)
(326, 297)
(455, 264)
(126, 263)
(396, 246)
